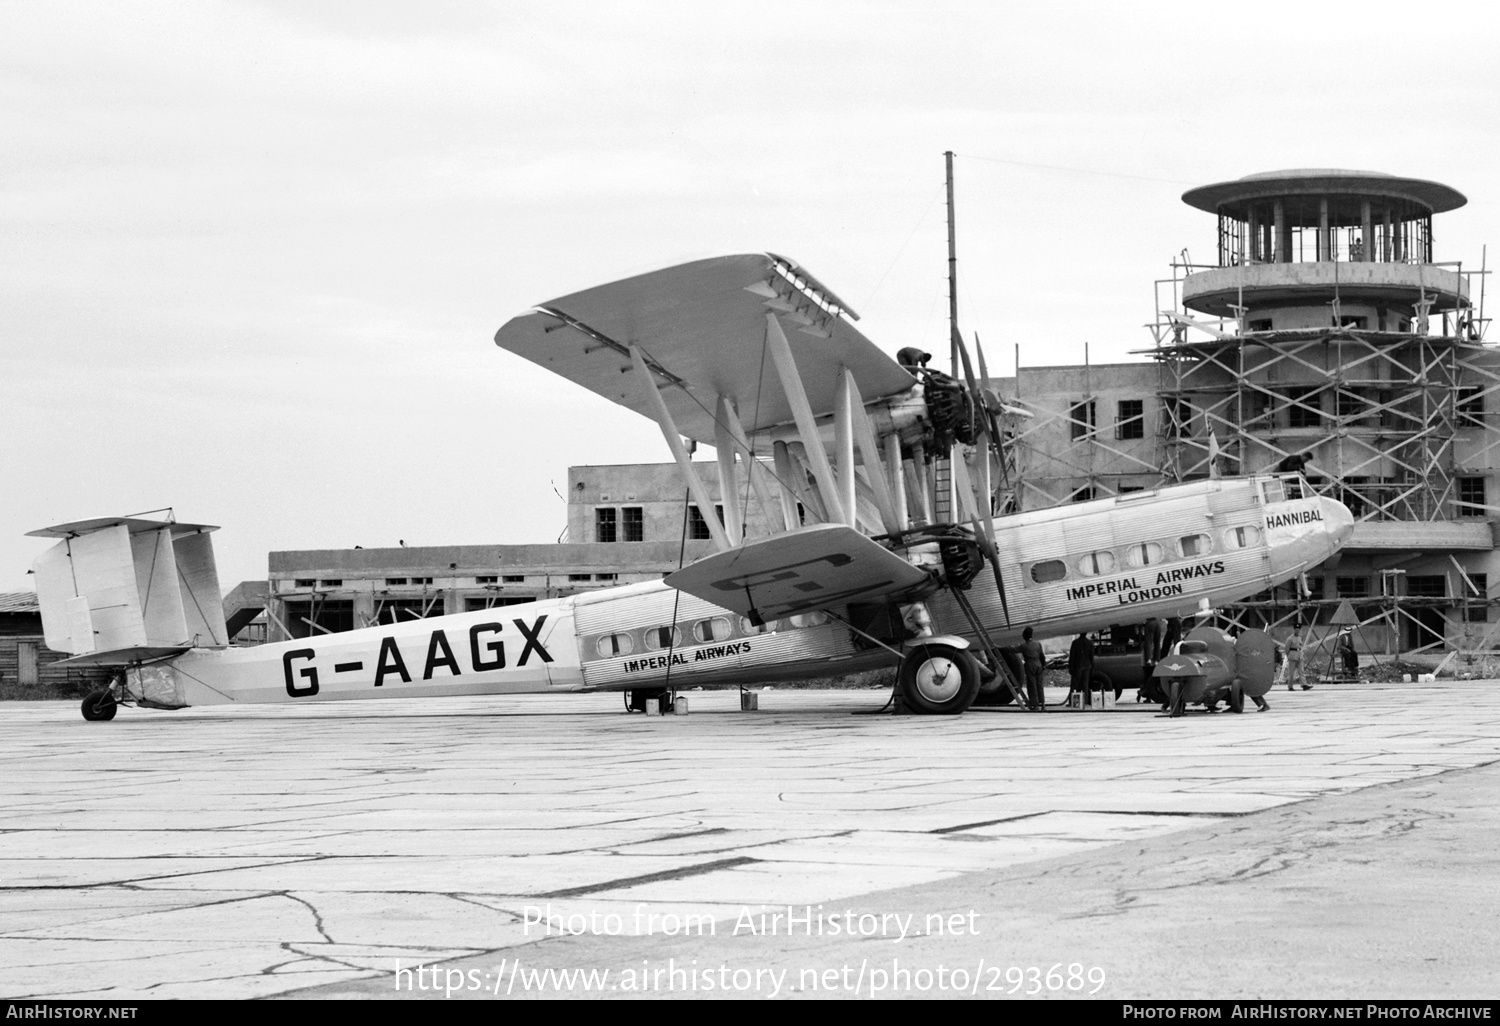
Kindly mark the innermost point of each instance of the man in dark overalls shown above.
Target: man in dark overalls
(1081, 666)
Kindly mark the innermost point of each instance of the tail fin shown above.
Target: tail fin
(118, 590)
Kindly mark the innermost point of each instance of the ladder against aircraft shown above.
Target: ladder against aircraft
(879, 479)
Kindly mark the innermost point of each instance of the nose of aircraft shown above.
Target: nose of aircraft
(1338, 521)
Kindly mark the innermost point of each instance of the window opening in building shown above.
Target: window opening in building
(632, 524)
(697, 526)
(1081, 418)
(491, 601)
(389, 581)
(1305, 408)
(486, 580)
(1471, 406)
(1352, 587)
(1426, 586)
(1471, 500)
(1476, 609)
(1177, 416)
(1130, 419)
(514, 578)
(1084, 494)
(305, 582)
(605, 522)
(329, 617)
(580, 577)
(404, 610)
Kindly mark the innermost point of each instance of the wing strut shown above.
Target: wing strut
(701, 495)
(731, 419)
(807, 426)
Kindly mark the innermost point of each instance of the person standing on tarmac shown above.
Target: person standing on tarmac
(1081, 666)
(1294, 674)
(1034, 662)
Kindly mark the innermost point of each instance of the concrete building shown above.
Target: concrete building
(1327, 329)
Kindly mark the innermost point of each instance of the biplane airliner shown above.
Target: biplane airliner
(880, 479)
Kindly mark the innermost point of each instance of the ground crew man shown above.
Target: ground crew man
(1294, 674)
(1081, 665)
(1034, 662)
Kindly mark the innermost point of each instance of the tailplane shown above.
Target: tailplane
(123, 589)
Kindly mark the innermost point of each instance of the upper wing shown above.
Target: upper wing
(702, 326)
(812, 568)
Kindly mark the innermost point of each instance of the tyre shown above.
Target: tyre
(1236, 700)
(993, 688)
(1101, 682)
(99, 705)
(939, 679)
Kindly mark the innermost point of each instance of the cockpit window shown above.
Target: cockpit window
(1295, 487)
(1271, 491)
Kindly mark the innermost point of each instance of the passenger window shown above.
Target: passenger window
(816, 618)
(769, 627)
(1195, 545)
(1242, 537)
(1145, 554)
(616, 645)
(716, 629)
(1096, 563)
(1051, 570)
(658, 638)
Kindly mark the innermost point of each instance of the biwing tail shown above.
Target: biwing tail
(123, 589)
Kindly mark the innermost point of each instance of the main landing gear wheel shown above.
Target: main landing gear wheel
(938, 679)
(100, 705)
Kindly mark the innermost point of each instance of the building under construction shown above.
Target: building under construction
(1326, 333)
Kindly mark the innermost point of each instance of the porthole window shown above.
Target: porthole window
(1051, 570)
(816, 618)
(658, 638)
(769, 627)
(1095, 563)
(1242, 537)
(715, 629)
(616, 645)
(1145, 554)
(1195, 545)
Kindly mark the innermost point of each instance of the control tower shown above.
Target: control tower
(1328, 330)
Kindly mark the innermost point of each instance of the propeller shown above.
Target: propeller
(984, 525)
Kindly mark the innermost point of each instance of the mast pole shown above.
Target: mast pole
(952, 273)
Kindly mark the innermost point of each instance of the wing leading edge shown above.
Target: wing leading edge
(701, 327)
(812, 568)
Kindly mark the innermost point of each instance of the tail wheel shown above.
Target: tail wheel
(939, 679)
(100, 705)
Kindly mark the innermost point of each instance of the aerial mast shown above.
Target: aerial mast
(952, 274)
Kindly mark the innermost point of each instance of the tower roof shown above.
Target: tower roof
(1342, 187)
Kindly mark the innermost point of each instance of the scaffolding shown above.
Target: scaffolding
(1325, 332)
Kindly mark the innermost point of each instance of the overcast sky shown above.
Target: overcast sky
(256, 253)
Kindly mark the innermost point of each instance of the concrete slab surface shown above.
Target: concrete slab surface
(1343, 844)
